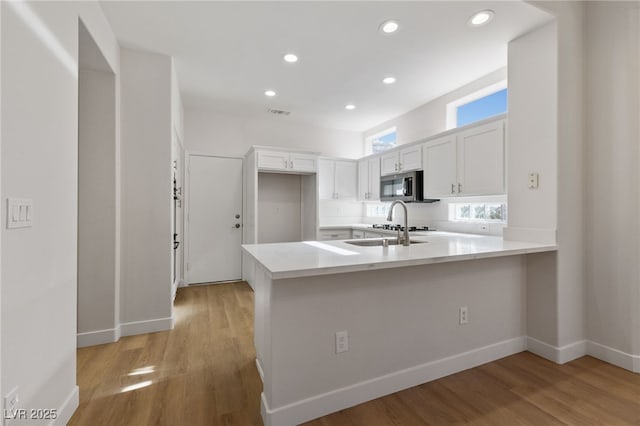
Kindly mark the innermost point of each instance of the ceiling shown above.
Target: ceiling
(228, 53)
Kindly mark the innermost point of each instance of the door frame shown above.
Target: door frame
(187, 204)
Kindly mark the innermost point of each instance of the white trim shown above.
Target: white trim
(68, 407)
(98, 337)
(339, 399)
(148, 326)
(260, 370)
(614, 356)
(557, 354)
(533, 235)
(452, 107)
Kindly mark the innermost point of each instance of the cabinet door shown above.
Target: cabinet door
(357, 234)
(439, 161)
(411, 158)
(302, 162)
(273, 160)
(346, 177)
(481, 160)
(326, 181)
(363, 180)
(368, 234)
(374, 179)
(389, 163)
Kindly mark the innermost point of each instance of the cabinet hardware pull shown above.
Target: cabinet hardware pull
(291, 163)
(286, 164)
(459, 187)
(453, 188)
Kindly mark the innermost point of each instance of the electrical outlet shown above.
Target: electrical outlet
(342, 341)
(463, 315)
(11, 401)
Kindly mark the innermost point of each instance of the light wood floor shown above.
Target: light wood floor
(203, 373)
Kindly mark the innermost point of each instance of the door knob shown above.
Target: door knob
(237, 225)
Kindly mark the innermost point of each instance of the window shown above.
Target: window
(488, 106)
(478, 212)
(485, 103)
(381, 141)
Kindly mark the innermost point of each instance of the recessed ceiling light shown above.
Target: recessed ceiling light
(389, 80)
(270, 93)
(291, 58)
(481, 18)
(350, 107)
(389, 27)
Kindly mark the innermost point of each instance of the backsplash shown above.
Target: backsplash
(434, 215)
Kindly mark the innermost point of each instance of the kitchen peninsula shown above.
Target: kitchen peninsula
(337, 324)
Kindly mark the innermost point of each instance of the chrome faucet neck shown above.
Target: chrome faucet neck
(405, 237)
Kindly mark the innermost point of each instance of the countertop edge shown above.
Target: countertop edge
(329, 270)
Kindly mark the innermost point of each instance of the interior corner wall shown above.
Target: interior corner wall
(40, 161)
(208, 132)
(147, 199)
(613, 154)
(97, 275)
(568, 289)
(431, 118)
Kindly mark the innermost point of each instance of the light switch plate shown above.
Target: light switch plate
(533, 180)
(19, 213)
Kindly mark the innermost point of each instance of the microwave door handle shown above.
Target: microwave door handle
(406, 187)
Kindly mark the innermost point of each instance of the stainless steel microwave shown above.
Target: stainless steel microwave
(406, 187)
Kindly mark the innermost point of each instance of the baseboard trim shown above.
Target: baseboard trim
(339, 399)
(68, 407)
(99, 337)
(148, 326)
(260, 370)
(614, 356)
(557, 354)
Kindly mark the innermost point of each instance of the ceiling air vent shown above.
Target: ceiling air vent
(279, 112)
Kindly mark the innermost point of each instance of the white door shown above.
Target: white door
(411, 158)
(389, 163)
(374, 179)
(326, 181)
(214, 219)
(481, 160)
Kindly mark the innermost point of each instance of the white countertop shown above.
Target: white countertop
(311, 258)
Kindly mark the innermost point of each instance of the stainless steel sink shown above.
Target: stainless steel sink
(373, 242)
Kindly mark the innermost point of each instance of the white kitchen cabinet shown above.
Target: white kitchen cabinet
(357, 234)
(286, 161)
(369, 234)
(481, 160)
(439, 158)
(337, 179)
(470, 162)
(369, 179)
(402, 160)
(334, 234)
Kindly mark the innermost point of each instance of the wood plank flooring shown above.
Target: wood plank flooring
(203, 373)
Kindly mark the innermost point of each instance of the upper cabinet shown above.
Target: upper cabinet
(337, 179)
(369, 179)
(470, 162)
(286, 161)
(402, 160)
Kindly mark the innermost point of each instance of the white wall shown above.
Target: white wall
(211, 133)
(97, 275)
(431, 118)
(40, 161)
(147, 198)
(612, 199)
(279, 208)
(532, 135)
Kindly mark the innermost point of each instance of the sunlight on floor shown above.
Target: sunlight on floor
(136, 386)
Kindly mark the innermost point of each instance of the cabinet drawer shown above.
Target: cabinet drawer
(334, 234)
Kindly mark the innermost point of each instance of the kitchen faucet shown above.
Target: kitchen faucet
(405, 238)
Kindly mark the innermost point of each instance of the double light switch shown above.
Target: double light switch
(19, 213)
